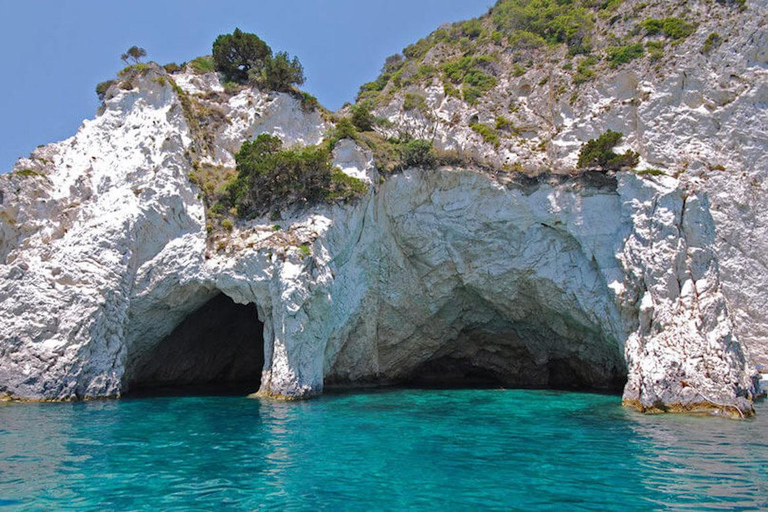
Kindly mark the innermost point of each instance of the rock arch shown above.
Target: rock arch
(219, 345)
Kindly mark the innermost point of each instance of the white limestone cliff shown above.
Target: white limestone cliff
(697, 116)
(595, 279)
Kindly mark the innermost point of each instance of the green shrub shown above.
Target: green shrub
(505, 125)
(270, 177)
(372, 88)
(203, 65)
(650, 172)
(524, 40)
(618, 55)
(362, 117)
(242, 57)
(655, 50)
(598, 153)
(471, 28)
(451, 90)
(227, 224)
(471, 94)
(235, 54)
(425, 71)
(304, 250)
(418, 49)
(281, 73)
(418, 153)
(414, 101)
(308, 102)
(609, 5)
(457, 70)
(469, 71)
(555, 21)
(135, 53)
(477, 78)
(585, 70)
(488, 133)
(652, 26)
(172, 68)
(133, 70)
(344, 187)
(344, 129)
(26, 173)
(518, 70)
(676, 28)
(673, 28)
(713, 41)
(393, 63)
(101, 89)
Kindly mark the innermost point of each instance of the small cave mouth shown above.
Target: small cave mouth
(216, 349)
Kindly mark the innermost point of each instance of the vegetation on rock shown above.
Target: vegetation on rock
(555, 21)
(102, 88)
(362, 117)
(488, 133)
(713, 41)
(585, 70)
(414, 101)
(203, 65)
(469, 57)
(134, 53)
(236, 54)
(172, 68)
(418, 153)
(270, 178)
(281, 73)
(673, 28)
(598, 154)
(471, 73)
(243, 57)
(618, 55)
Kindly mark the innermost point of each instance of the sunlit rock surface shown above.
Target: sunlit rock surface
(596, 280)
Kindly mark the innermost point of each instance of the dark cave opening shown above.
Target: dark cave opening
(217, 349)
(524, 358)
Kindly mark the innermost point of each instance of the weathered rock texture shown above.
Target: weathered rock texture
(697, 115)
(592, 279)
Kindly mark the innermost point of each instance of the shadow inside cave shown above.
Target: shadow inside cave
(217, 349)
(503, 356)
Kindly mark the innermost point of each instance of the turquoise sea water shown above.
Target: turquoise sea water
(391, 449)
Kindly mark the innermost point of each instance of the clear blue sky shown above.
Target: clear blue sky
(55, 52)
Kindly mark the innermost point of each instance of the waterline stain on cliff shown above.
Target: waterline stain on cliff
(218, 347)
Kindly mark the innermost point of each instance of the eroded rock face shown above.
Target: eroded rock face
(693, 114)
(594, 280)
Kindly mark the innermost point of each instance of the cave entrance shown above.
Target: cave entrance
(216, 349)
(545, 350)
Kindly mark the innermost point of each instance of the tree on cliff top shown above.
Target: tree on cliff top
(235, 54)
(280, 73)
(134, 53)
(242, 57)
